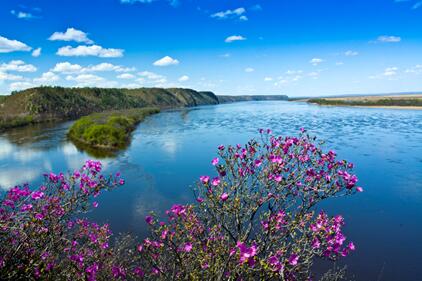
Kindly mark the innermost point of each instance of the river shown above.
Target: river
(169, 151)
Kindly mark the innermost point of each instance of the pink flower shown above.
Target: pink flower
(26, 207)
(39, 216)
(188, 247)
(359, 189)
(293, 259)
(149, 219)
(37, 195)
(351, 246)
(315, 243)
(214, 161)
(278, 178)
(215, 181)
(95, 204)
(224, 197)
(221, 147)
(121, 181)
(204, 179)
(258, 163)
(199, 200)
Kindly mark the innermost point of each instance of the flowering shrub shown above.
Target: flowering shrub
(257, 218)
(40, 234)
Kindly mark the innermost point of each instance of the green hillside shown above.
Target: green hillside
(43, 104)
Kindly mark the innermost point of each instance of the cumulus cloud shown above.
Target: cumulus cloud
(68, 68)
(91, 80)
(184, 78)
(94, 50)
(316, 61)
(17, 65)
(351, 53)
(236, 13)
(268, 79)
(47, 78)
(126, 76)
(10, 77)
(71, 34)
(151, 77)
(388, 39)
(36, 53)
(234, 38)
(249, 69)
(166, 61)
(8, 45)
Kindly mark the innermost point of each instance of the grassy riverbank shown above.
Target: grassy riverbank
(109, 130)
(405, 101)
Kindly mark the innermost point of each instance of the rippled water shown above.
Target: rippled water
(170, 150)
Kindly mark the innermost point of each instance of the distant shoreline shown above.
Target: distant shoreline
(368, 106)
(407, 102)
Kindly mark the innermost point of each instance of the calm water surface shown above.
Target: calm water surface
(171, 150)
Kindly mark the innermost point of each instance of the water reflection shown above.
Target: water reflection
(169, 151)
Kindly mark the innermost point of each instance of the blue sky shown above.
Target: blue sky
(293, 47)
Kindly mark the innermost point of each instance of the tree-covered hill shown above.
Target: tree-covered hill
(57, 103)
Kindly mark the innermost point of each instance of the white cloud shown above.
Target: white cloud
(316, 61)
(226, 55)
(233, 38)
(351, 53)
(417, 69)
(166, 61)
(126, 76)
(294, 72)
(236, 13)
(16, 86)
(184, 78)
(151, 77)
(268, 79)
(17, 65)
(36, 53)
(22, 15)
(249, 69)
(47, 78)
(67, 67)
(10, 77)
(389, 39)
(109, 67)
(91, 80)
(94, 50)
(71, 34)
(8, 45)
(339, 63)
(390, 71)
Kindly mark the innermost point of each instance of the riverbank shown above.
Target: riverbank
(109, 130)
(413, 102)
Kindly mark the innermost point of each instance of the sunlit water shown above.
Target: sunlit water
(171, 150)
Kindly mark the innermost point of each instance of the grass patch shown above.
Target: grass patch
(108, 130)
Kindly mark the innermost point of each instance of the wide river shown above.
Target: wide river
(171, 150)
